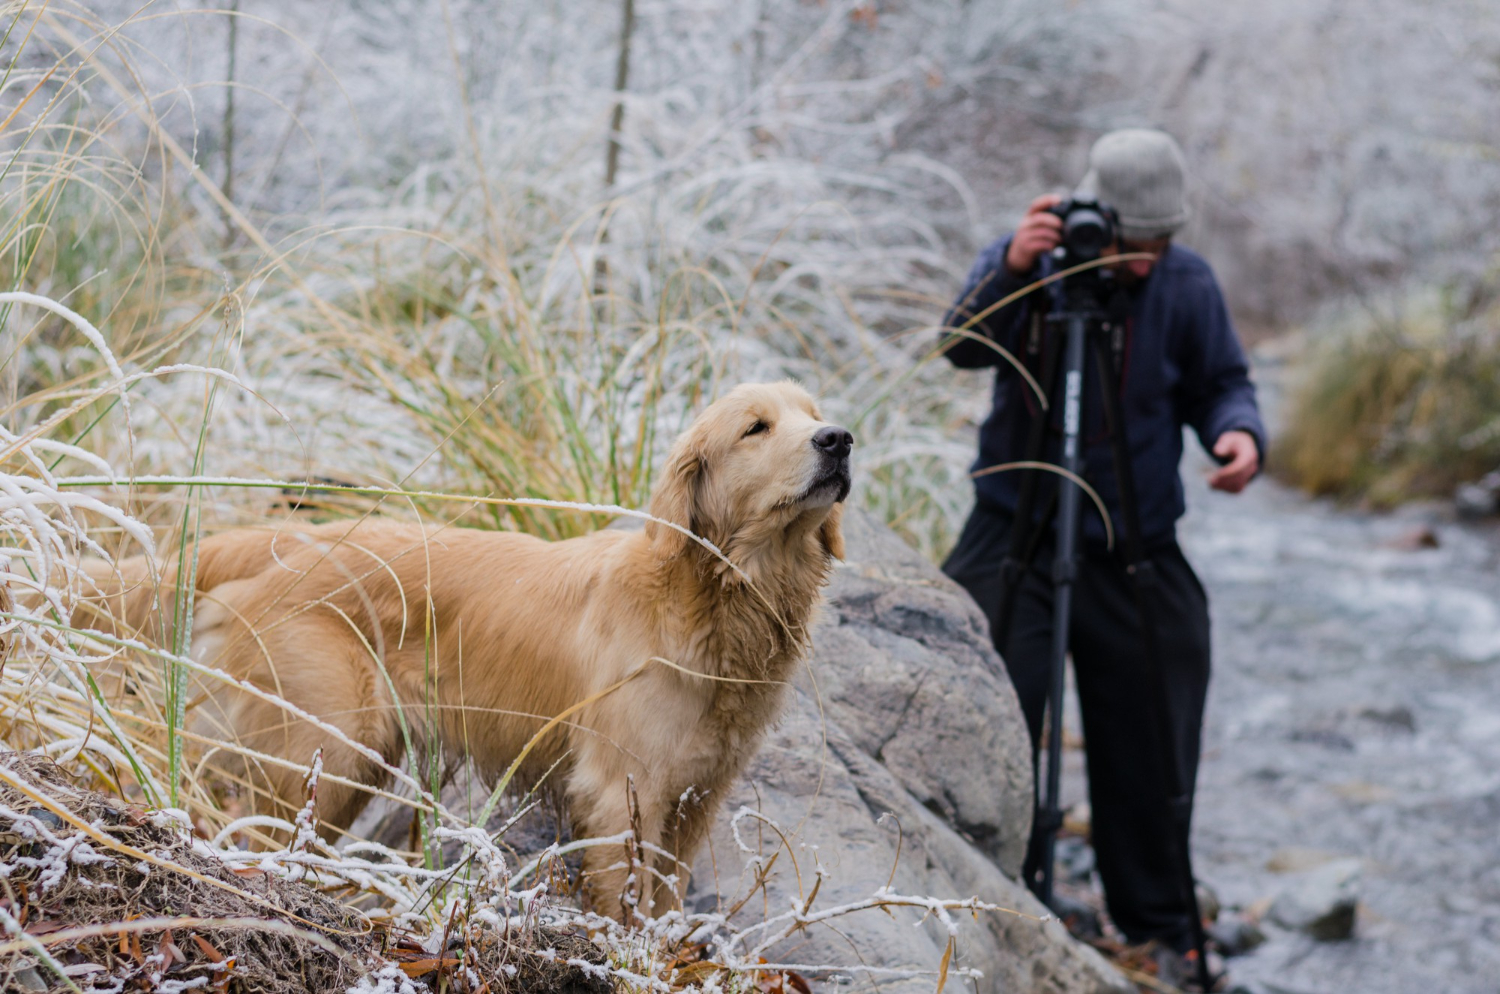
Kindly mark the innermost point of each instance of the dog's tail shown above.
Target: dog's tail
(141, 598)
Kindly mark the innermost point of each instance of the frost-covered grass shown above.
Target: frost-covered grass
(568, 329)
(491, 338)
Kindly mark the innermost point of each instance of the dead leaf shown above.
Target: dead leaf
(167, 949)
(688, 955)
(208, 950)
(222, 985)
(694, 974)
(943, 966)
(417, 967)
(778, 981)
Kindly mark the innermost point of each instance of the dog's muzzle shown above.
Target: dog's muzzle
(832, 444)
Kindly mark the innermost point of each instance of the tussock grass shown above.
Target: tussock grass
(1385, 416)
(493, 326)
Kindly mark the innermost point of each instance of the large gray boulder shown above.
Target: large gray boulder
(901, 761)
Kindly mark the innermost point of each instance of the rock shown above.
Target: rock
(28, 978)
(1079, 917)
(903, 662)
(1327, 737)
(1480, 499)
(902, 759)
(1074, 860)
(1265, 987)
(1236, 934)
(1177, 971)
(1208, 901)
(1398, 717)
(843, 810)
(1322, 902)
(1079, 820)
(1295, 859)
(1364, 792)
(1416, 539)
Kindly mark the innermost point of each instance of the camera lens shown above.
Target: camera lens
(1085, 233)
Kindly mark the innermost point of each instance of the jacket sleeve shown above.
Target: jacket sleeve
(989, 282)
(1218, 394)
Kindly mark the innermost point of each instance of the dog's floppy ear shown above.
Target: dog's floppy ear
(831, 532)
(673, 500)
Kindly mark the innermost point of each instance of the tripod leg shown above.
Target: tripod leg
(1025, 539)
(1014, 569)
(1064, 573)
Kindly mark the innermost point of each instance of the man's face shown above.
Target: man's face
(1136, 270)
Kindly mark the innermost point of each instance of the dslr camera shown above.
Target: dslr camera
(1087, 227)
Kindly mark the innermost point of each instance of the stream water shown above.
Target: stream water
(1354, 711)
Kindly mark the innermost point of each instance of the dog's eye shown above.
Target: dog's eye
(757, 428)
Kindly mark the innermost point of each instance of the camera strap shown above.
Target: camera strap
(1118, 328)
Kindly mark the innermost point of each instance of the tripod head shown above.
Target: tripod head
(1088, 228)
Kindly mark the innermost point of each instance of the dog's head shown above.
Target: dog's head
(757, 466)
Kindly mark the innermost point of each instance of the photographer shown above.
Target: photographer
(1181, 366)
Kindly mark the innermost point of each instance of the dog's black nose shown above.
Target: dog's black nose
(834, 440)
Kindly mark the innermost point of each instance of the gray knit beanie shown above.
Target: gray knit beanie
(1139, 172)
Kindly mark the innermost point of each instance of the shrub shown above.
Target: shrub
(1384, 416)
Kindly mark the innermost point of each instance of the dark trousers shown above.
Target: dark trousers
(1128, 791)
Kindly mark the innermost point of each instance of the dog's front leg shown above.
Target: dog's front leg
(687, 825)
(622, 879)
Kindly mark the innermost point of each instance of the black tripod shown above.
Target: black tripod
(1088, 325)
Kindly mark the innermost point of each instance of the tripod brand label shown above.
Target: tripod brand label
(1071, 405)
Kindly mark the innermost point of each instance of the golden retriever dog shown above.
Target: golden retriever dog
(678, 654)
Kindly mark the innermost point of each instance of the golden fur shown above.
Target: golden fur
(333, 618)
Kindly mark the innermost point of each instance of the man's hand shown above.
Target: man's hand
(1038, 232)
(1244, 459)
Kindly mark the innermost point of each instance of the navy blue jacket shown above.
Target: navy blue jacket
(1183, 365)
